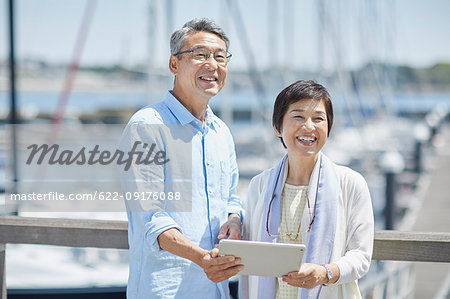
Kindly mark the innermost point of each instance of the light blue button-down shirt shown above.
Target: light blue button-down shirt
(156, 273)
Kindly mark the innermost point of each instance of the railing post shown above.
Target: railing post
(392, 163)
(2, 271)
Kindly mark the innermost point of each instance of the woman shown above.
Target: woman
(308, 199)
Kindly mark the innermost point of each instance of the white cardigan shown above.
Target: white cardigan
(352, 250)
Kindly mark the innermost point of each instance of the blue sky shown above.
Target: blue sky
(410, 32)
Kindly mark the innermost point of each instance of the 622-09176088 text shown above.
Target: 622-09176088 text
(147, 195)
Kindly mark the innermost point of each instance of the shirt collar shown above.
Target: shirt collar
(178, 110)
(184, 116)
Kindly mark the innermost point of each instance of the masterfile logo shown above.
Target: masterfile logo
(146, 156)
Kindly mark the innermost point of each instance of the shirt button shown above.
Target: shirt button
(208, 163)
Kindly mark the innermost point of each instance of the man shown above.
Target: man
(172, 254)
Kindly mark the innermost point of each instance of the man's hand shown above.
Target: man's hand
(218, 268)
(231, 228)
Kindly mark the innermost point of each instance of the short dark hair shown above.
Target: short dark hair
(179, 37)
(301, 90)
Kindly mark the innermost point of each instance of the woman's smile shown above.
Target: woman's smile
(307, 140)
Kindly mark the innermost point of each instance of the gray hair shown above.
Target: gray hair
(179, 37)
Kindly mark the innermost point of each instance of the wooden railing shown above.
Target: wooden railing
(388, 245)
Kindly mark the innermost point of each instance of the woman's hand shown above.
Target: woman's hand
(308, 277)
(231, 228)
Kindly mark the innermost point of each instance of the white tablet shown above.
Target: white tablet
(263, 258)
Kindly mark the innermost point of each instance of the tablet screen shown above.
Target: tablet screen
(263, 258)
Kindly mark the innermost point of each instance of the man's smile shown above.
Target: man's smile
(208, 78)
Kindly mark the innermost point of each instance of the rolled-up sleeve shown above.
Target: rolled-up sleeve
(159, 222)
(234, 202)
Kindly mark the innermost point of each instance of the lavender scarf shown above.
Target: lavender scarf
(320, 244)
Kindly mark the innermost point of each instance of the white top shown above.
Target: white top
(352, 250)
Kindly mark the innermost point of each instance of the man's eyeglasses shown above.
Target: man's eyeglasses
(202, 55)
(311, 220)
